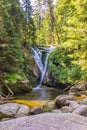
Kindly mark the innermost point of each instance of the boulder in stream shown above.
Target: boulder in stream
(21, 86)
(13, 110)
(79, 88)
(63, 100)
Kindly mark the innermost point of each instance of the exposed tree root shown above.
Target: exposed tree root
(71, 86)
(9, 92)
(4, 97)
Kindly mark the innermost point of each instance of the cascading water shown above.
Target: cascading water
(37, 53)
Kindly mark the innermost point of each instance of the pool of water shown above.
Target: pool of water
(40, 94)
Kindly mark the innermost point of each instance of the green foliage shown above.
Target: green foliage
(29, 35)
(61, 65)
(13, 78)
(70, 62)
(11, 54)
(29, 29)
(19, 29)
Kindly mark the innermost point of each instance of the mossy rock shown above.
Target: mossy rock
(22, 86)
(80, 88)
(49, 106)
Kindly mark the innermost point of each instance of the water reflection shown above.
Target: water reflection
(40, 94)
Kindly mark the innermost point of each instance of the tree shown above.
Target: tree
(11, 55)
(71, 19)
(53, 22)
(28, 26)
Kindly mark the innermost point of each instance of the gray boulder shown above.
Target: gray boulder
(79, 88)
(13, 110)
(63, 100)
(22, 111)
(9, 109)
(47, 121)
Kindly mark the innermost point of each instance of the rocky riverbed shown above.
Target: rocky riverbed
(64, 113)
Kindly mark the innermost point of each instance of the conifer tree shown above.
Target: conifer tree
(28, 26)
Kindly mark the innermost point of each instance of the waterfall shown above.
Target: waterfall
(38, 54)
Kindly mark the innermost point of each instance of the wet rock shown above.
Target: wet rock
(63, 100)
(49, 106)
(46, 121)
(81, 110)
(36, 110)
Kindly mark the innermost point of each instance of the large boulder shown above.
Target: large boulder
(22, 111)
(79, 88)
(47, 121)
(21, 86)
(63, 100)
(13, 110)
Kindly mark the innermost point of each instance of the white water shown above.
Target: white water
(37, 54)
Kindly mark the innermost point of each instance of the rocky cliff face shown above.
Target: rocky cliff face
(52, 81)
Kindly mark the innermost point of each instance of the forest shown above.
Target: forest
(61, 24)
(43, 64)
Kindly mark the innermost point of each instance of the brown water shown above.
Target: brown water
(40, 94)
